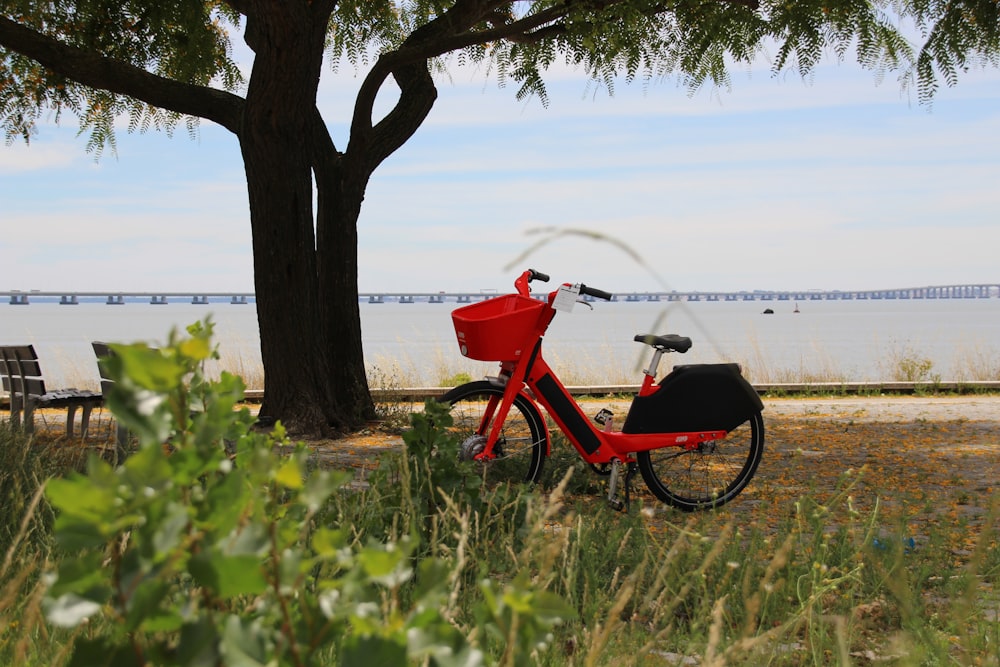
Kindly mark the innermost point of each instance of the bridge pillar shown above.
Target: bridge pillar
(239, 299)
(19, 299)
(68, 300)
(157, 300)
(115, 300)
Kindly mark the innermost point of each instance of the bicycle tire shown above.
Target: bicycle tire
(521, 449)
(709, 476)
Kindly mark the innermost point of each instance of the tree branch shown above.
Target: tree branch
(97, 71)
(417, 97)
(448, 32)
(240, 6)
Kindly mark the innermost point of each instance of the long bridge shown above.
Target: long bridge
(74, 297)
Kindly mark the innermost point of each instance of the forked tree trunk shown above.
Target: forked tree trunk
(305, 272)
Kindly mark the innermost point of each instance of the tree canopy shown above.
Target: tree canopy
(125, 52)
(161, 65)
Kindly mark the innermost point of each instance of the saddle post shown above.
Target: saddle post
(654, 363)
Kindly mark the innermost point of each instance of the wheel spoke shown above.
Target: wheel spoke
(520, 448)
(708, 476)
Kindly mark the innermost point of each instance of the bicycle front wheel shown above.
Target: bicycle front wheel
(709, 476)
(521, 448)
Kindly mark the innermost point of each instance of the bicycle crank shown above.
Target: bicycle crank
(620, 504)
(471, 447)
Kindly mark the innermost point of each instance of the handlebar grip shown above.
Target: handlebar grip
(596, 293)
(538, 275)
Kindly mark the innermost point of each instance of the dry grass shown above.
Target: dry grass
(977, 361)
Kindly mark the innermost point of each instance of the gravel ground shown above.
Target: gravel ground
(889, 408)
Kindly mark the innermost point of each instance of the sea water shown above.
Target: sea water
(860, 340)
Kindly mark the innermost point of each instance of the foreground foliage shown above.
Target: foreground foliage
(217, 544)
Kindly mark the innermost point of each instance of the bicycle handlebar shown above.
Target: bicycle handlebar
(522, 285)
(596, 293)
(537, 275)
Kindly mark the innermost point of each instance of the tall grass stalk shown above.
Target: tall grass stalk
(544, 574)
(718, 588)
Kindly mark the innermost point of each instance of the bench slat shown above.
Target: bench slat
(18, 352)
(35, 386)
(29, 367)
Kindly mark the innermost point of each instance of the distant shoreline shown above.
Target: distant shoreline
(164, 297)
(855, 389)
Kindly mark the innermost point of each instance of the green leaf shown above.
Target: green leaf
(144, 603)
(367, 651)
(74, 534)
(551, 609)
(170, 529)
(82, 575)
(102, 653)
(198, 645)
(79, 497)
(252, 539)
(433, 576)
(225, 503)
(197, 348)
(147, 470)
(326, 542)
(385, 565)
(143, 412)
(321, 485)
(243, 644)
(289, 570)
(149, 368)
(228, 576)
(289, 475)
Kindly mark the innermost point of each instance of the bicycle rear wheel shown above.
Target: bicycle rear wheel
(521, 448)
(709, 476)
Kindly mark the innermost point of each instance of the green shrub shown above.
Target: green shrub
(218, 544)
(189, 555)
(455, 380)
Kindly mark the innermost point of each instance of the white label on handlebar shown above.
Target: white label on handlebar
(566, 297)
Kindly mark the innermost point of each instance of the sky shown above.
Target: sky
(839, 182)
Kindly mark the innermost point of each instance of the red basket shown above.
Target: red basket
(496, 329)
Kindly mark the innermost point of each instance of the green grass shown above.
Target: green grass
(546, 574)
(826, 586)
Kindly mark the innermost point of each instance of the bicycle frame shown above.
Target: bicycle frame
(595, 446)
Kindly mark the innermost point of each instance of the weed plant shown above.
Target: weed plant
(229, 546)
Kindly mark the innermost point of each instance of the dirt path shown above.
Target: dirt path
(917, 460)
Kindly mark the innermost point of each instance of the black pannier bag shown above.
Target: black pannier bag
(695, 397)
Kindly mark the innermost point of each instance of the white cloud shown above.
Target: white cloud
(840, 184)
(18, 158)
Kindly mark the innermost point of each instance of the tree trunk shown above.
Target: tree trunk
(307, 295)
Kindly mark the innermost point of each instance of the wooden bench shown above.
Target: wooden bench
(22, 380)
(102, 350)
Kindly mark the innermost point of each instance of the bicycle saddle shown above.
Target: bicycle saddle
(669, 342)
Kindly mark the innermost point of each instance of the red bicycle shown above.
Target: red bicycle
(696, 436)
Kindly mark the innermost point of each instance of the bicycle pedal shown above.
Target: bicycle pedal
(613, 500)
(617, 505)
